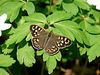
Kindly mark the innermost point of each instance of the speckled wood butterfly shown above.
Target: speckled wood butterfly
(44, 39)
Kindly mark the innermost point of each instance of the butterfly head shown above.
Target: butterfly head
(51, 32)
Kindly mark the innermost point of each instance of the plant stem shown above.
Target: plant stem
(26, 73)
(50, 8)
(84, 66)
(23, 1)
(60, 4)
(42, 68)
(9, 71)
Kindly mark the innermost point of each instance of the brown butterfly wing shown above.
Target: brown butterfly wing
(39, 36)
(62, 41)
(51, 48)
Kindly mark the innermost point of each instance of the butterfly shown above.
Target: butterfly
(44, 39)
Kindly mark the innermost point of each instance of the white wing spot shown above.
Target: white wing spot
(62, 41)
(39, 28)
(53, 46)
(35, 30)
(61, 44)
(54, 50)
(58, 44)
(66, 42)
(65, 39)
(37, 39)
(61, 38)
(36, 27)
(35, 35)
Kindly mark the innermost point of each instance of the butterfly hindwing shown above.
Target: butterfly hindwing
(38, 42)
(51, 47)
(39, 36)
(62, 41)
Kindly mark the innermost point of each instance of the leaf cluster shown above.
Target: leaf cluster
(75, 19)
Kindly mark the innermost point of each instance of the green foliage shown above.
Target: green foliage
(74, 19)
(58, 16)
(11, 9)
(25, 54)
(6, 60)
(94, 50)
(51, 64)
(3, 72)
(70, 7)
(29, 7)
(39, 17)
(82, 4)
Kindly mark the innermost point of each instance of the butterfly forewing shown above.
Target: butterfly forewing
(37, 31)
(62, 41)
(51, 47)
(39, 36)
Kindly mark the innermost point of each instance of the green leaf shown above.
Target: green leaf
(82, 4)
(59, 2)
(6, 60)
(39, 17)
(29, 36)
(25, 54)
(14, 14)
(3, 72)
(64, 59)
(83, 25)
(40, 52)
(51, 64)
(90, 20)
(83, 50)
(69, 24)
(77, 35)
(3, 1)
(93, 39)
(71, 29)
(85, 39)
(11, 9)
(45, 56)
(29, 7)
(21, 21)
(70, 8)
(96, 15)
(94, 51)
(58, 56)
(95, 29)
(57, 16)
(8, 49)
(20, 33)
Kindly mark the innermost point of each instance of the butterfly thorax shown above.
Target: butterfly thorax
(51, 32)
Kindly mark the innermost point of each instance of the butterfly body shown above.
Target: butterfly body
(44, 39)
